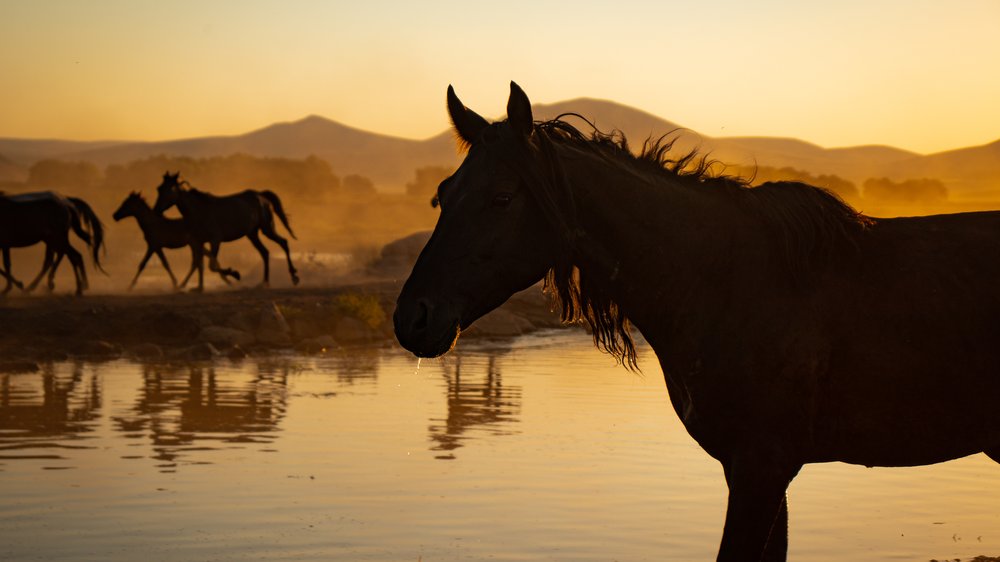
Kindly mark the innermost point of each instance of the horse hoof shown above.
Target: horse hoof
(236, 275)
(295, 279)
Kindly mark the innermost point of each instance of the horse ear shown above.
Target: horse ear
(519, 111)
(468, 124)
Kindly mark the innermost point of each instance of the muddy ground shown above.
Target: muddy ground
(233, 323)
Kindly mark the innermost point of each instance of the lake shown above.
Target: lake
(536, 449)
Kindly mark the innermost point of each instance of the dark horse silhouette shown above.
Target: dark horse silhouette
(29, 218)
(162, 232)
(791, 329)
(212, 219)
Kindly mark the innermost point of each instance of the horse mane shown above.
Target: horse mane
(809, 225)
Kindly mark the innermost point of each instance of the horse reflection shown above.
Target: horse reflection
(179, 408)
(480, 404)
(63, 407)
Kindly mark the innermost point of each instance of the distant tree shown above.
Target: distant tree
(311, 176)
(424, 185)
(355, 184)
(57, 174)
(761, 174)
(908, 191)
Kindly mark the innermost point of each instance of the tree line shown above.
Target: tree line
(314, 176)
(877, 190)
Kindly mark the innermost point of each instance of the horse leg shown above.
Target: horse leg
(46, 264)
(142, 265)
(777, 542)
(264, 255)
(7, 274)
(756, 517)
(270, 233)
(201, 274)
(213, 264)
(77, 260)
(195, 260)
(166, 265)
(51, 285)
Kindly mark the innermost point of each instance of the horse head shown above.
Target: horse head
(168, 192)
(492, 238)
(131, 206)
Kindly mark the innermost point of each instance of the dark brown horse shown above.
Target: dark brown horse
(791, 329)
(212, 220)
(29, 218)
(162, 232)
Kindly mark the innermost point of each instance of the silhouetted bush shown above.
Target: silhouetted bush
(426, 181)
(909, 191)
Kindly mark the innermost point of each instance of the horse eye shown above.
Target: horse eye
(502, 200)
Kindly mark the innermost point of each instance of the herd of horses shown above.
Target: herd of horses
(206, 222)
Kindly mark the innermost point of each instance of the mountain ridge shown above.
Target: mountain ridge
(390, 161)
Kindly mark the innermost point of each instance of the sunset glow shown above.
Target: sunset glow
(916, 75)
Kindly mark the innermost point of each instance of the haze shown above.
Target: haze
(916, 75)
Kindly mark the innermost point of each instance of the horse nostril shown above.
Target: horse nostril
(423, 316)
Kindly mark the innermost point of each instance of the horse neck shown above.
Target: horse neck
(665, 250)
(186, 200)
(145, 215)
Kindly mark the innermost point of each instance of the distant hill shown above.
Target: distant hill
(390, 161)
(973, 171)
(11, 172)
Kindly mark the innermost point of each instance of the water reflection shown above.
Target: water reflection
(358, 365)
(477, 399)
(186, 409)
(43, 414)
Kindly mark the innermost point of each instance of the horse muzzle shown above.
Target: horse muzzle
(425, 328)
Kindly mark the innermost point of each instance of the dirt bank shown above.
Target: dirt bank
(186, 326)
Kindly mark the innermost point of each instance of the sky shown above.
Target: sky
(919, 75)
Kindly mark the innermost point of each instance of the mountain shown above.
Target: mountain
(25, 152)
(385, 159)
(390, 161)
(974, 170)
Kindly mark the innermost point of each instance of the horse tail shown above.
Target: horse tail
(275, 202)
(93, 224)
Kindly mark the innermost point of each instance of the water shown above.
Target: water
(540, 451)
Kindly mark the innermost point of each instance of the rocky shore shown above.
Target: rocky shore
(229, 323)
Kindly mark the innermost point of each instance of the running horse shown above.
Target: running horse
(213, 219)
(163, 232)
(29, 218)
(791, 328)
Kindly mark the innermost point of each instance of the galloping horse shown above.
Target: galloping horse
(162, 232)
(213, 220)
(791, 329)
(29, 218)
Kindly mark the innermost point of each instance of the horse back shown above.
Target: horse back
(210, 217)
(30, 218)
(912, 368)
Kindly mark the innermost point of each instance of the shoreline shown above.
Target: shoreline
(231, 323)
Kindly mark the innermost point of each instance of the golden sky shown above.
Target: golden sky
(920, 75)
